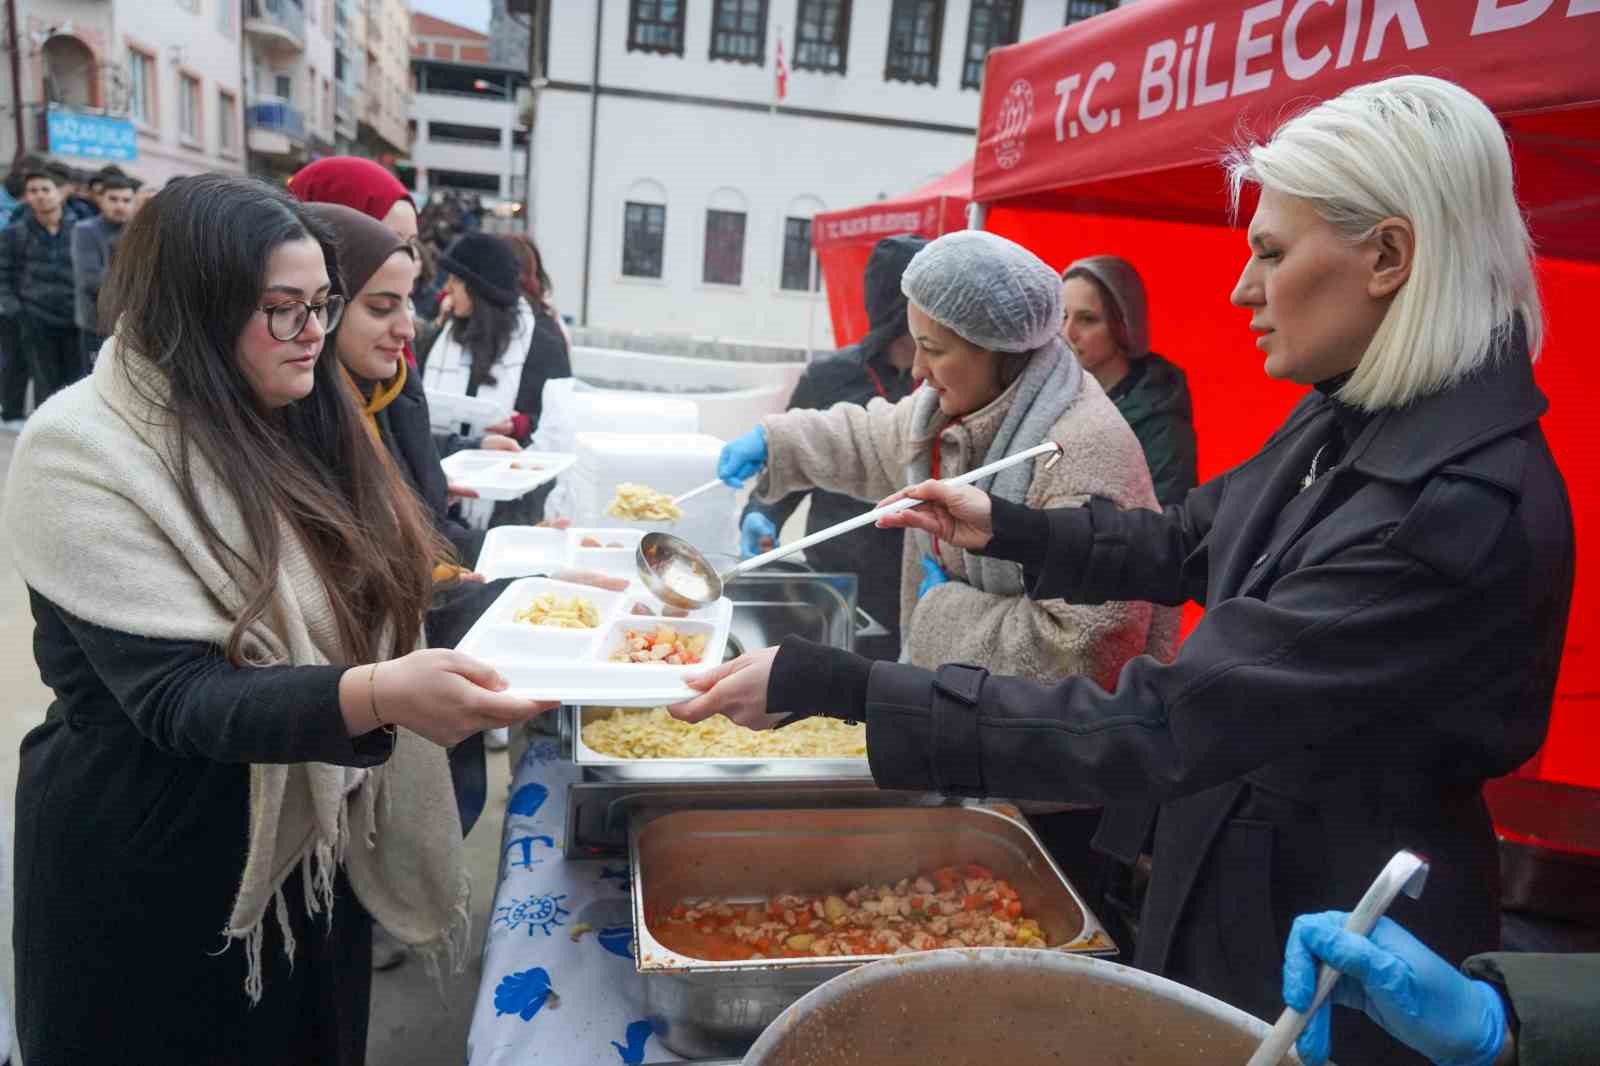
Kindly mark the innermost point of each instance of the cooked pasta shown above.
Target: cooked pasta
(563, 612)
(641, 503)
(655, 734)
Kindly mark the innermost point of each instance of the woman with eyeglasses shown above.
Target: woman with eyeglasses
(242, 767)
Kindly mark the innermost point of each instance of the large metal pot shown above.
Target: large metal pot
(1006, 1005)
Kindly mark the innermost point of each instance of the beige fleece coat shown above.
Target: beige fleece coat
(864, 451)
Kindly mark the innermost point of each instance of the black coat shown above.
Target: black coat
(852, 375)
(133, 811)
(36, 279)
(403, 426)
(1374, 648)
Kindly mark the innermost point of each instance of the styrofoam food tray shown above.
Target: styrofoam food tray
(497, 475)
(449, 411)
(517, 551)
(570, 665)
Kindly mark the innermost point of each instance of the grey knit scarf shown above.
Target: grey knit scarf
(1039, 398)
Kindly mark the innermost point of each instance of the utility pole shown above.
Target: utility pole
(16, 75)
(536, 77)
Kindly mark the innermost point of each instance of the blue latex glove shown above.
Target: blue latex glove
(1416, 996)
(933, 576)
(743, 458)
(752, 530)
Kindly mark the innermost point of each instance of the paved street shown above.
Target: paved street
(410, 1022)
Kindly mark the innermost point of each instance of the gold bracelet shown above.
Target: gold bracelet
(372, 695)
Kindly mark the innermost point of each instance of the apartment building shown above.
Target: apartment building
(466, 132)
(289, 76)
(153, 85)
(386, 79)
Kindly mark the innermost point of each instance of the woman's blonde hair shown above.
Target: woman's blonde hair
(1427, 151)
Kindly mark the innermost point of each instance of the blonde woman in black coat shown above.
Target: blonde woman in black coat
(1387, 581)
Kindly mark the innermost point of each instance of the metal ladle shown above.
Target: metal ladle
(676, 573)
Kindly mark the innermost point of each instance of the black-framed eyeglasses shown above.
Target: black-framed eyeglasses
(287, 320)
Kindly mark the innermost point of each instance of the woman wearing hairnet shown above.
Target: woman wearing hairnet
(994, 378)
(1386, 581)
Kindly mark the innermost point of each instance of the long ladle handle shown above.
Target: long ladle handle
(758, 561)
(692, 493)
(1404, 873)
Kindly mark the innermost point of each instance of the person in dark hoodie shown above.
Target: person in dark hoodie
(36, 285)
(879, 365)
(1107, 328)
(93, 242)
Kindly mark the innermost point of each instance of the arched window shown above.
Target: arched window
(799, 272)
(69, 72)
(644, 229)
(726, 215)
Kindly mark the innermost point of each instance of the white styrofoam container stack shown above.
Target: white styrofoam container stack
(672, 463)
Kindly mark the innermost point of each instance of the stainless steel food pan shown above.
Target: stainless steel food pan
(767, 607)
(709, 1009)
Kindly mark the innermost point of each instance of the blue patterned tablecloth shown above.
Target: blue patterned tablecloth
(546, 997)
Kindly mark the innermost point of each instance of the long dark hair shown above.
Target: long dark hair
(484, 335)
(531, 276)
(187, 279)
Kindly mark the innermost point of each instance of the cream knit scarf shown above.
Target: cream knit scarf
(98, 527)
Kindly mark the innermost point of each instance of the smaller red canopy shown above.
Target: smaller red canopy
(844, 240)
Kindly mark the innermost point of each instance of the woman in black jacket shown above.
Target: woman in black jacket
(1387, 581)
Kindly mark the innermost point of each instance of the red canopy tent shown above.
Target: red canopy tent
(844, 240)
(1104, 137)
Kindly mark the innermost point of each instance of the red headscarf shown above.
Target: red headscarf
(356, 183)
(351, 181)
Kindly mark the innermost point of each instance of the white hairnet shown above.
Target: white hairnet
(989, 291)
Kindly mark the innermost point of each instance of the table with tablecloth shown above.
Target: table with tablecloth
(551, 993)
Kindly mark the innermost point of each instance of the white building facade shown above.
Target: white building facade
(702, 185)
(171, 68)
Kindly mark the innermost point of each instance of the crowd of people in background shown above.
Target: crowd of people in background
(60, 231)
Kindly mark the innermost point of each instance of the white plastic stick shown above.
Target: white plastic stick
(1406, 873)
(757, 561)
(692, 493)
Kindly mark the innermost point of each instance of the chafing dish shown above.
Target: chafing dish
(718, 1008)
(767, 607)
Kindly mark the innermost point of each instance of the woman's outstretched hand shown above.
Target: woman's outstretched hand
(439, 694)
(956, 514)
(737, 689)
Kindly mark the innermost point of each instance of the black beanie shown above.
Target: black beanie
(486, 263)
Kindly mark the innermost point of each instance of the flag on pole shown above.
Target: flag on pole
(780, 70)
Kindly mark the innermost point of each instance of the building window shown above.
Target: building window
(656, 26)
(1078, 10)
(283, 87)
(226, 141)
(799, 260)
(822, 35)
(914, 30)
(724, 258)
(990, 24)
(189, 108)
(225, 13)
(459, 133)
(739, 31)
(644, 228)
(142, 87)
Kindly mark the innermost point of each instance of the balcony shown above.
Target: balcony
(277, 23)
(275, 128)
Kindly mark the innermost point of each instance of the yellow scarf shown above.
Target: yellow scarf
(382, 396)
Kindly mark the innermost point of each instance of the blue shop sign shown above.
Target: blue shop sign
(93, 136)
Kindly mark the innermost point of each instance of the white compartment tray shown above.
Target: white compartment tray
(517, 551)
(498, 476)
(572, 665)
